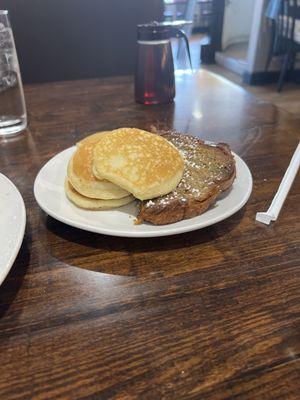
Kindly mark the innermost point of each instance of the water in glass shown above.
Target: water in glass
(13, 118)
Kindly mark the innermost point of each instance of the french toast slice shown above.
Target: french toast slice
(209, 170)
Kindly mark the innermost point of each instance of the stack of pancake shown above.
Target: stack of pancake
(174, 176)
(111, 169)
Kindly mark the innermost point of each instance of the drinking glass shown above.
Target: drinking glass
(13, 117)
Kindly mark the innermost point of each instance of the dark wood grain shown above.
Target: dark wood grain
(213, 314)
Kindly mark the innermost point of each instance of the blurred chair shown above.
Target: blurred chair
(284, 16)
(187, 23)
(189, 15)
(77, 39)
(172, 12)
(203, 15)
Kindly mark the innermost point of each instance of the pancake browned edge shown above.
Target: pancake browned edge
(88, 203)
(209, 170)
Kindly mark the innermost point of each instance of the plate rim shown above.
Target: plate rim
(143, 234)
(4, 272)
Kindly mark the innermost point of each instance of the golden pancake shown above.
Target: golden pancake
(140, 162)
(93, 204)
(82, 178)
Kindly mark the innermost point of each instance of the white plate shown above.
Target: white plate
(12, 224)
(50, 195)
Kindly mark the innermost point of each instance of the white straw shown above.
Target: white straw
(283, 190)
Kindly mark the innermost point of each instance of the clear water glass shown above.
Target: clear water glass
(13, 116)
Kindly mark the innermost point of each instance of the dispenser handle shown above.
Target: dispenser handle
(178, 33)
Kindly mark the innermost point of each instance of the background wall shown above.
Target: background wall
(259, 39)
(237, 23)
(73, 39)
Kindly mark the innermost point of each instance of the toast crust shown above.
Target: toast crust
(209, 170)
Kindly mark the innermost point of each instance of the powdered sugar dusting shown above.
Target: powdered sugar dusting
(204, 168)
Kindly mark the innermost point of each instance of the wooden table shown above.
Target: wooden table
(212, 314)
